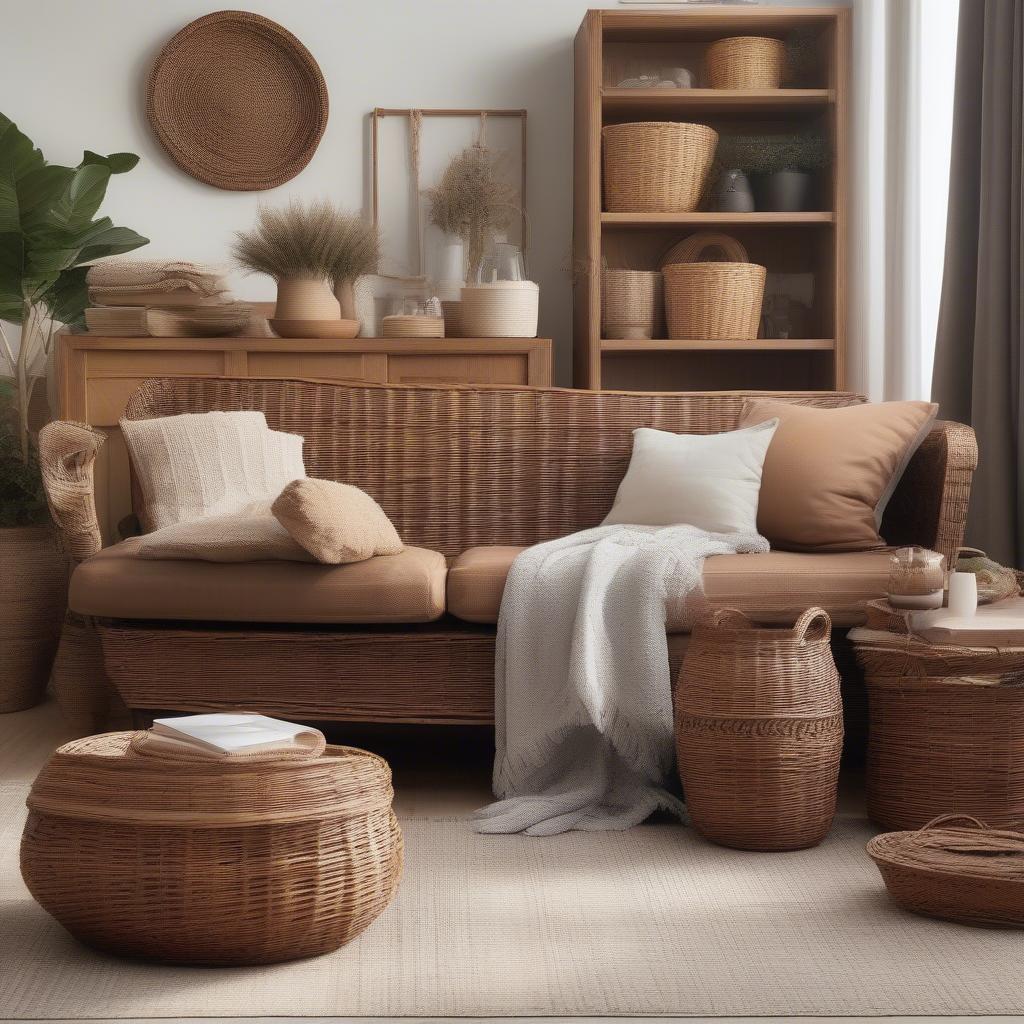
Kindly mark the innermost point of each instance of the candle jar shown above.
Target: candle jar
(917, 578)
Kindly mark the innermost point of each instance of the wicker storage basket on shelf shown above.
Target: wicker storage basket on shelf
(656, 166)
(759, 731)
(412, 327)
(632, 304)
(745, 62)
(946, 726)
(718, 301)
(191, 859)
(504, 309)
(955, 867)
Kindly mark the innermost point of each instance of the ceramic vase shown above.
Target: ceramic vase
(733, 194)
(784, 191)
(306, 298)
(345, 293)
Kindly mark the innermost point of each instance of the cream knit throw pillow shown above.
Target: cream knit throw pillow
(335, 522)
(208, 464)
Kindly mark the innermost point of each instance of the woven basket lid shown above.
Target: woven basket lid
(237, 101)
(109, 778)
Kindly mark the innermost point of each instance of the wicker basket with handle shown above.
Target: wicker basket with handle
(656, 166)
(718, 301)
(632, 304)
(759, 731)
(745, 62)
(197, 859)
(955, 867)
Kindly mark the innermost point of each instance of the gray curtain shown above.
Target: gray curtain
(979, 376)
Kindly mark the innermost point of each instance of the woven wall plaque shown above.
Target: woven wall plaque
(237, 101)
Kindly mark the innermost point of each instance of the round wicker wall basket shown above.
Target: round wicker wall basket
(718, 301)
(759, 731)
(237, 101)
(192, 859)
(656, 166)
(33, 588)
(745, 62)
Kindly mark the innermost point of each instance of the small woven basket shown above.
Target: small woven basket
(966, 872)
(759, 731)
(745, 62)
(506, 310)
(716, 301)
(656, 166)
(195, 859)
(632, 304)
(412, 327)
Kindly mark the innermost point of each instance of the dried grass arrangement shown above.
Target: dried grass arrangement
(471, 201)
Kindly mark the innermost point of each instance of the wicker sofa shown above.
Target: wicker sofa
(469, 477)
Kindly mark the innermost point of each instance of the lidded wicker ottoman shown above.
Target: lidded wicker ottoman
(759, 731)
(248, 859)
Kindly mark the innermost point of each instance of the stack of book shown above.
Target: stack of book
(139, 298)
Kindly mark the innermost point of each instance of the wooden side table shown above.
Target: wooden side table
(946, 726)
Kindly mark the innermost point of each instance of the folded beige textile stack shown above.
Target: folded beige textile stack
(158, 298)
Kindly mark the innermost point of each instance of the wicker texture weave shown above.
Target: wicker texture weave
(67, 458)
(412, 327)
(208, 860)
(632, 304)
(712, 300)
(656, 166)
(955, 867)
(745, 62)
(237, 101)
(759, 731)
(947, 728)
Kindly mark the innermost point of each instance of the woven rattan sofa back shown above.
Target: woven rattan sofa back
(457, 467)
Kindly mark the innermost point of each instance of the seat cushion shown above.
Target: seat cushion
(769, 588)
(408, 587)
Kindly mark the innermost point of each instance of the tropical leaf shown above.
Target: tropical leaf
(18, 155)
(117, 162)
(69, 297)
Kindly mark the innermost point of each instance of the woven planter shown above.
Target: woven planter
(33, 589)
(656, 166)
(712, 300)
(956, 868)
(305, 298)
(745, 62)
(759, 731)
(188, 859)
(632, 304)
(507, 309)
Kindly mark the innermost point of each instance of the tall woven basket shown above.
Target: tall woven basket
(718, 301)
(632, 304)
(759, 731)
(188, 859)
(745, 62)
(656, 166)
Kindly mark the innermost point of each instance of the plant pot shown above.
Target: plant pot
(345, 293)
(33, 592)
(305, 298)
(784, 191)
(733, 194)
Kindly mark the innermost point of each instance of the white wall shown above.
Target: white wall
(73, 75)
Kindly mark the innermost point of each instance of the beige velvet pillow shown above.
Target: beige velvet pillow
(829, 473)
(335, 522)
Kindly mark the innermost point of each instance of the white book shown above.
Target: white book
(994, 625)
(226, 733)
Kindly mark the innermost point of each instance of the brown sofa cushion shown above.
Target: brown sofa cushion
(769, 588)
(829, 473)
(408, 587)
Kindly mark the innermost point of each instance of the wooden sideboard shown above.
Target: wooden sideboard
(96, 376)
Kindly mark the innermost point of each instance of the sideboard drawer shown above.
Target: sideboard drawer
(500, 368)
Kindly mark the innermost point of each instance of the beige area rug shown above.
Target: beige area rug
(649, 922)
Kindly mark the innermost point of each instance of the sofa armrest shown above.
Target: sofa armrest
(929, 507)
(67, 455)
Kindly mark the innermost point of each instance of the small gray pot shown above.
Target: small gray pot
(784, 191)
(733, 194)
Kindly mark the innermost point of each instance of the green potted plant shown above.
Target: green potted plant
(782, 167)
(48, 236)
(315, 253)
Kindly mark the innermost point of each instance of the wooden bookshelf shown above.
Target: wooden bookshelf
(807, 246)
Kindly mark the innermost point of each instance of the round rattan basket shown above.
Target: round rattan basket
(717, 301)
(506, 309)
(656, 166)
(745, 62)
(955, 867)
(399, 326)
(237, 101)
(632, 304)
(759, 731)
(192, 859)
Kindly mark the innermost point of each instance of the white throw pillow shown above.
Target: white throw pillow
(208, 464)
(710, 481)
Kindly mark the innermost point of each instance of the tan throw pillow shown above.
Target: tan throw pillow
(829, 473)
(335, 522)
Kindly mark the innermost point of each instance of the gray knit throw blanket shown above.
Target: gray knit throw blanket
(583, 703)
